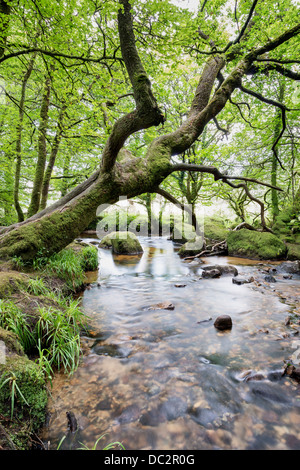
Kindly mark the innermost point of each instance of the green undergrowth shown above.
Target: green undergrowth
(69, 265)
(40, 326)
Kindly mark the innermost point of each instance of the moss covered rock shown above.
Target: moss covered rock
(11, 342)
(125, 243)
(29, 380)
(293, 251)
(214, 229)
(10, 282)
(256, 245)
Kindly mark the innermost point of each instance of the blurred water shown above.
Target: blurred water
(166, 379)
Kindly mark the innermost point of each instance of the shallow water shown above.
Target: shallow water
(166, 379)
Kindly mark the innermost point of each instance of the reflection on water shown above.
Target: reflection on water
(166, 379)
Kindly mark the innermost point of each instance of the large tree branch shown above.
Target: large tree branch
(283, 110)
(227, 179)
(217, 174)
(147, 112)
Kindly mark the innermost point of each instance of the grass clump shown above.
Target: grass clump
(51, 333)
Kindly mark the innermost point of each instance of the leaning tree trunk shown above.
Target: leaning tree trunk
(56, 226)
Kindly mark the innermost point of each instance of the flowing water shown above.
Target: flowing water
(168, 379)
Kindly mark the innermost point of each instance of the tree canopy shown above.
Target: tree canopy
(102, 99)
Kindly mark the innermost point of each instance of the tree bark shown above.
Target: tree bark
(42, 151)
(19, 131)
(52, 158)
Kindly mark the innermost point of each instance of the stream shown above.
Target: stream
(162, 379)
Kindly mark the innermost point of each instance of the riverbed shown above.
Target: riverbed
(167, 379)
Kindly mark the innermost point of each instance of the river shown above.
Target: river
(168, 379)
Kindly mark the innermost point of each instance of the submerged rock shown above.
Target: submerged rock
(270, 278)
(239, 280)
(162, 306)
(217, 271)
(211, 273)
(223, 322)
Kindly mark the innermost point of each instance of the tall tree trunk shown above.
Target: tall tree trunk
(4, 24)
(66, 168)
(274, 193)
(42, 151)
(52, 158)
(19, 131)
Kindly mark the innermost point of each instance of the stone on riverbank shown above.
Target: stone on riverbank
(125, 243)
(217, 271)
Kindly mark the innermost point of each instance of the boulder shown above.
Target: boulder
(211, 273)
(239, 280)
(223, 322)
(226, 269)
(290, 267)
(255, 245)
(214, 229)
(122, 243)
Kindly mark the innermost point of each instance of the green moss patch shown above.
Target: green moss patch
(214, 229)
(27, 383)
(256, 245)
(10, 282)
(123, 243)
(192, 247)
(293, 251)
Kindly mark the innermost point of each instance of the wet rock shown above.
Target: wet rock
(293, 372)
(130, 414)
(270, 392)
(290, 267)
(223, 322)
(211, 273)
(173, 408)
(169, 410)
(256, 376)
(240, 280)
(111, 350)
(162, 306)
(269, 278)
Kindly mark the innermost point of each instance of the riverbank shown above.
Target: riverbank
(20, 426)
(157, 374)
(40, 326)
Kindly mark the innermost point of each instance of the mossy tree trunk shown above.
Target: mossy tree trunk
(56, 226)
(277, 129)
(19, 131)
(42, 151)
(52, 157)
